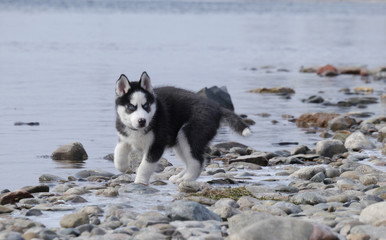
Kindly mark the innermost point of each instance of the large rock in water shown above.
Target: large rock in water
(74, 151)
(329, 148)
(358, 141)
(218, 95)
(319, 119)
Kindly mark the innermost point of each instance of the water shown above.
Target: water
(59, 61)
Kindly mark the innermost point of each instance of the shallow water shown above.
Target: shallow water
(59, 62)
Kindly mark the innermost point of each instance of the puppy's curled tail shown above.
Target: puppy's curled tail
(235, 122)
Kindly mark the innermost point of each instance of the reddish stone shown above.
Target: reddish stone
(322, 232)
(14, 197)
(328, 71)
(319, 119)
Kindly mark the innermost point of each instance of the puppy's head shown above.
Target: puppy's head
(135, 101)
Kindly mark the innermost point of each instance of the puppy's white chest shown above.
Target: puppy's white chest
(138, 140)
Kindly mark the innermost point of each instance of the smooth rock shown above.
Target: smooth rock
(36, 189)
(319, 119)
(50, 178)
(319, 177)
(289, 229)
(5, 210)
(89, 173)
(219, 95)
(332, 172)
(137, 188)
(381, 134)
(358, 141)
(368, 180)
(329, 148)
(186, 210)
(14, 197)
(342, 122)
(310, 198)
(288, 207)
(373, 213)
(301, 149)
(74, 151)
(307, 173)
(276, 90)
(327, 71)
(74, 220)
(255, 159)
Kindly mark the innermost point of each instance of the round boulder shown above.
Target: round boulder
(358, 141)
(73, 151)
(329, 148)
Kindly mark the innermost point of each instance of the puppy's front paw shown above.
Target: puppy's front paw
(176, 179)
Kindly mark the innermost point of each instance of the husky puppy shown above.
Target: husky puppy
(152, 119)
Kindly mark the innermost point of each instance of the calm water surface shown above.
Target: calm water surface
(59, 62)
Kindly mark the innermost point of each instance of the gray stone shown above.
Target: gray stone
(253, 158)
(5, 209)
(301, 149)
(50, 178)
(150, 235)
(196, 230)
(332, 172)
(307, 173)
(33, 212)
(319, 177)
(239, 221)
(74, 220)
(373, 213)
(92, 210)
(137, 188)
(109, 192)
(192, 186)
(368, 180)
(357, 141)
(11, 236)
(219, 95)
(329, 148)
(61, 188)
(288, 207)
(372, 231)
(89, 173)
(70, 232)
(151, 218)
(311, 198)
(74, 151)
(341, 123)
(280, 228)
(185, 210)
(381, 134)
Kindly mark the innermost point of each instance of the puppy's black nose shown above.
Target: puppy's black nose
(141, 122)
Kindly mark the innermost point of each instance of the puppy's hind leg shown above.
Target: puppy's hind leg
(121, 156)
(180, 155)
(193, 164)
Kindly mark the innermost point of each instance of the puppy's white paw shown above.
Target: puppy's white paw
(176, 179)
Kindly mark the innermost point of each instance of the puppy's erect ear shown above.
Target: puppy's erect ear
(122, 86)
(145, 82)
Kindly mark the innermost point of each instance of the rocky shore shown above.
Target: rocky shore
(335, 191)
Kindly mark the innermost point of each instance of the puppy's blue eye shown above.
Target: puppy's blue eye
(146, 106)
(131, 107)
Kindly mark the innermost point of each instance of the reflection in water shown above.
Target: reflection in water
(69, 164)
